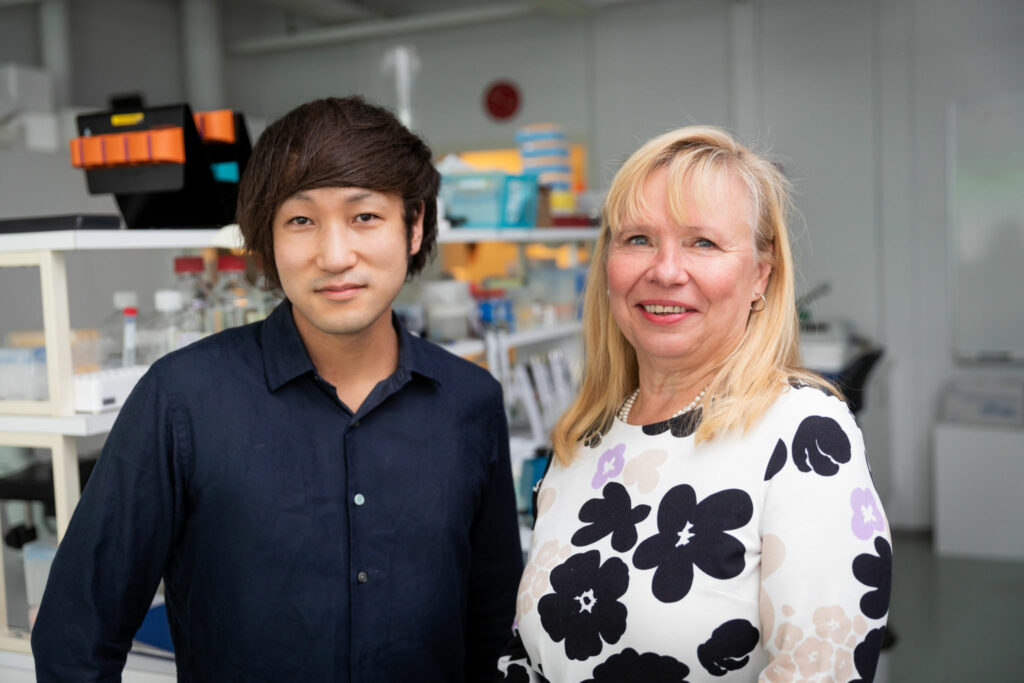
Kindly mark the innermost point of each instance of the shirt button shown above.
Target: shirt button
(359, 499)
(362, 577)
(355, 423)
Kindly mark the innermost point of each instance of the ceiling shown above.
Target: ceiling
(346, 11)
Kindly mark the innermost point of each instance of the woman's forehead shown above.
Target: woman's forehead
(688, 188)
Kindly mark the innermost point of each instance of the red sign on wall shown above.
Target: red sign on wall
(501, 100)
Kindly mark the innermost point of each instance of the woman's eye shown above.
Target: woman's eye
(300, 220)
(637, 240)
(704, 243)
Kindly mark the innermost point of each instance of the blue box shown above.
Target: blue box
(490, 200)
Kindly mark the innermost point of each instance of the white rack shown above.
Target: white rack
(468, 235)
(53, 424)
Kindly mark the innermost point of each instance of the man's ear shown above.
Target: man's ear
(416, 236)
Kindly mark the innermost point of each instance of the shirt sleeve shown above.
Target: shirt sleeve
(826, 555)
(496, 562)
(109, 563)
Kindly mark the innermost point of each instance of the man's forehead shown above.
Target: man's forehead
(346, 194)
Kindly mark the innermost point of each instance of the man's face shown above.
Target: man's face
(341, 254)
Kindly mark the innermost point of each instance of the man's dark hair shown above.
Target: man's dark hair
(336, 142)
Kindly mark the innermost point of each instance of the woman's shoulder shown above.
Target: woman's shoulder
(801, 399)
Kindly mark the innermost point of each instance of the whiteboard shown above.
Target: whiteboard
(987, 228)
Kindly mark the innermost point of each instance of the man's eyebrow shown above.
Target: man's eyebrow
(358, 197)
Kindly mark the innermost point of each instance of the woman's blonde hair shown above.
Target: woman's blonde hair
(749, 379)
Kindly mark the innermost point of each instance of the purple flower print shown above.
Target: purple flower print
(609, 466)
(867, 517)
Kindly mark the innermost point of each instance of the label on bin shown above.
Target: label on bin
(127, 119)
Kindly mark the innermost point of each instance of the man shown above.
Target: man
(326, 497)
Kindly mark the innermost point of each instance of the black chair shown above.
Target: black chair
(852, 379)
(34, 483)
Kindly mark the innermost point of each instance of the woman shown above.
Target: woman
(709, 514)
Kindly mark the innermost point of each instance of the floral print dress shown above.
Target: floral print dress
(759, 557)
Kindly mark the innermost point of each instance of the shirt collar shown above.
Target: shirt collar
(285, 356)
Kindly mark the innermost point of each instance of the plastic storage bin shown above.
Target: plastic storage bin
(490, 200)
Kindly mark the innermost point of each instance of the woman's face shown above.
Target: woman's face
(681, 291)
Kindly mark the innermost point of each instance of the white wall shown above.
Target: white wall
(19, 35)
(851, 94)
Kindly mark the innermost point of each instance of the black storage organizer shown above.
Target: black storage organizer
(169, 195)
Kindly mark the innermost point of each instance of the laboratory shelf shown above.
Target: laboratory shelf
(467, 348)
(475, 347)
(468, 235)
(543, 334)
(229, 237)
(77, 424)
(54, 425)
(95, 240)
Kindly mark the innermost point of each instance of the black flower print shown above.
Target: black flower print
(515, 649)
(875, 571)
(777, 460)
(585, 607)
(865, 655)
(514, 663)
(613, 514)
(630, 667)
(729, 647)
(681, 426)
(821, 445)
(694, 534)
(515, 673)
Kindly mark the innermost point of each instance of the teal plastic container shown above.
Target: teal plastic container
(490, 200)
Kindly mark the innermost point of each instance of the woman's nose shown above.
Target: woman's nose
(669, 266)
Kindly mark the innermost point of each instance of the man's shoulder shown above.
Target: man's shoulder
(217, 355)
(450, 367)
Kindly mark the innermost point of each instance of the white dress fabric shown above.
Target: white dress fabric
(759, 557)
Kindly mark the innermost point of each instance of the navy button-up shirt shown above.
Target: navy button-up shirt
(296, 541)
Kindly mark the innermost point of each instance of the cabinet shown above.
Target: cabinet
(53, 424)
(976, 491)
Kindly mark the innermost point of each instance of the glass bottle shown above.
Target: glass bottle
(190, 281)
(234, 301)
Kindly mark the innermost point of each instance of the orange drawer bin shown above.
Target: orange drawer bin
(162, 145)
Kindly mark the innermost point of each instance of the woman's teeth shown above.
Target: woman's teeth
(657, 308)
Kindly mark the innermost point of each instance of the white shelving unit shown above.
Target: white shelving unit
(53, 424)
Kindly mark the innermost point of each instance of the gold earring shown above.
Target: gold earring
(764, 302)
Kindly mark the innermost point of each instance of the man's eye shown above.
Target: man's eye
(704, 243)
(365, 217)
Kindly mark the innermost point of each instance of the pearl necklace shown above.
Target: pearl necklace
(627, 405)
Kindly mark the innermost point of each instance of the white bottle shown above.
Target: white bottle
(158, 334)
(112, 330)
(234, 301)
